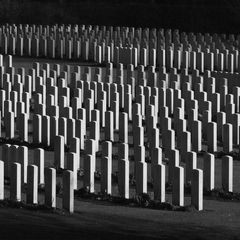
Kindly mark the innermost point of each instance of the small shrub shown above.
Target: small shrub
(162, 205)
(119, 200)
(188, 208)
(142, 199)
(221, 194)
(84, 193)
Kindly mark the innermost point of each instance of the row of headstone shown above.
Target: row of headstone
(38, 119)
(127, 45)
(199, 179)
(39, 108)
(126, 33)
(69, 181)
(36, 175)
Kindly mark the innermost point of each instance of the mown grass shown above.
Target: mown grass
(139, 200)
(7, 203)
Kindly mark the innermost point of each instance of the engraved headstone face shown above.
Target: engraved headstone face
(89, 168)
(15, 184)
(123, 127)
(212, 137)
(191, 164)
(159, 174)
(72, 165)
(37, 126)
(173, 157)
(39, 162)
(196, 135)
(50, 187)
(106, 175)
(109, 129)
(123, 179)
(227, 138)
(178, 186)
(141, 177)
(59, 152)
(68, 191)
(227, 173)
(197, 189)
(23, 160)
(1, 180)
(32, 184)
(209, 172)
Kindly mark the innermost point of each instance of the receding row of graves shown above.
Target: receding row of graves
(126, 45)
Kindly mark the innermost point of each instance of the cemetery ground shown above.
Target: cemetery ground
(93, 220)
(96, 218)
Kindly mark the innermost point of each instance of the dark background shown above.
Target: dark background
(220, 16)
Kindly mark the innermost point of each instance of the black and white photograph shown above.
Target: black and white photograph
(119, 119)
